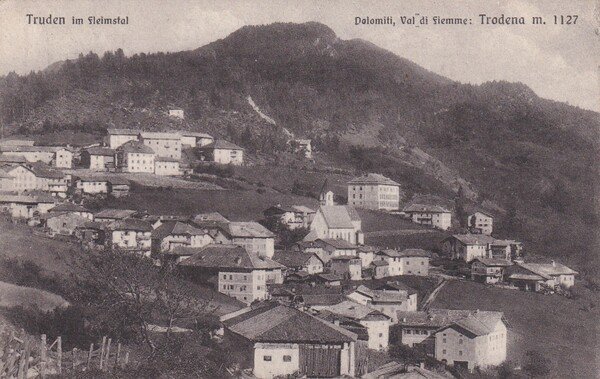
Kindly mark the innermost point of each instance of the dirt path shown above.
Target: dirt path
(433, 294)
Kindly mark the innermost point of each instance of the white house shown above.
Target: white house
(221, 151)
(432, 215)
(294, 217)
(336, 222)
(481, 222)
(164, 144)
(296, 261)
(131, 234)
(536, 276)
(281, 340)
(98, 158)
(118, 137)
(194, 139)
(24, 178)
(467, 246)
(32, 154)
(165, 166)
(405, 262)
(134, 156)
(387, 302)
(171, 234)
(239, 273)
(26, 206)
(374, 191)
(251, 235)
(460, 338)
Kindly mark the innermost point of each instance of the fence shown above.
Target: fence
(23, 356)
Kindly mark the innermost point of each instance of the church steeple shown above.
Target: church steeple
(326, 194)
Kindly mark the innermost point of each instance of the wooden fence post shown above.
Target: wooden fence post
(59, 354)
(90, 355)
(44, 356)
(107, 359)
(118, 353)
(74, 352)
(102, 351)
(126, 358)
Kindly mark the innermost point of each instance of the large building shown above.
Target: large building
(131, 235)
(405, 262)
(470, 246)
(480, 222)
(460, 338)
(282, 341)
(134, 156)
(432, 215)
(224, 152)
(167, 145)
(118, 137)
(537, 276)
(336, 222)
(98, 158)
(251, 235)
(385, 301)
(194, 139)
(239, 273)
(374, 191)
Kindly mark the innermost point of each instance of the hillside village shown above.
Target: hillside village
(318, 306)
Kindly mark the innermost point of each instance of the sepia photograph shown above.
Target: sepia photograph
(399, 189)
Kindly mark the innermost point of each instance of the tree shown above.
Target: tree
(536, 364)
(408, 355)
(459, 206)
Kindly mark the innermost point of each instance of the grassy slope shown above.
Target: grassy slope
(553, 325)
(12, 295)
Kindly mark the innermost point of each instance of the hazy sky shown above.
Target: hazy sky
(559, 62)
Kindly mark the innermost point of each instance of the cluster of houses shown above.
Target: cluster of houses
(311, 309)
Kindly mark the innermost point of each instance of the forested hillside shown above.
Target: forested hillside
(531, 157)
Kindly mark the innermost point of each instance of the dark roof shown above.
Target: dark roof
(168, 228)
(373, 179)
(425, 208)
(42, 170)
(224, 257)
(250, 229)
(380, 263)
(329, 277)
(27, 199)
(280, 323)
(339, 216)
(131, 224)
(548, 269)
(474, 321)
(292, 259)
(345, 258)
(494, 262)
(116, 181)
(13, 158)
(130, 132)
(391, 286)
(221, 144)
(135, 147)
(69, 207)
(115, 213)
(337, 243)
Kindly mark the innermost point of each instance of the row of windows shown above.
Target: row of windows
(286, 358)
(373, 188)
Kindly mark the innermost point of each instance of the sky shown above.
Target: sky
(559, 62)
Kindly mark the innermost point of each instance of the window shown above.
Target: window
(460, 341)
(380, 334)
(460, 352)
(444, 340)
(408, 331)
(267, 358)
(444, 351)
(287, 358)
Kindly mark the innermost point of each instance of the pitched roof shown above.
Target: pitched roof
(473, 239)
(168, 228)
(425, 208)
(394, 285)
(133, 224)
(494, 262)
(29, 149)
(279, 323)
(373, 179)
(337, 243)
(98, 150)
(221, 144)
(293, 259)
(380, 263)
(548, 269)
(13, 158)
(303, 209)
(128, 132)
(250, 229)
(339, 216)
(160, 135)
(381, 296)
(117, 180)
(195, 134)
(483, 213)
(135, 147)
(115, 213)
(27, 199)
(225, 257)
(42, 170)
(69, 207)
(352, 310)
(475, 321)
(406, 253)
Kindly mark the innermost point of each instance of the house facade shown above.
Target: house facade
(223, 152)
(432, 215)
(386, 302)
(489, 270)
(132, 235)
(337, 222)
(98, 159)
(134, 156)
(251, 235)
(165, 145)
(194, 139)
(374, 191)
(166, 166)
(348, 267)
(481, 223)
(118, 137)
(298, 343)
(296, 261)
(405, 262)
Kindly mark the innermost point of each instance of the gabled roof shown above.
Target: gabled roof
(380, 296)
(392, 286)
(135, 147)
(42, 170)
(169, 228)
(474, 321)
(160, 135)
(69, 207)
(221, 144)
(380, 263)
(98, 150)
(283, 324)
(353, 310)
(221, 256)
(483, 213)
(115, 213)
(13, 159)
(292, 259)
(473, 239)
(249, 229)
(373, 179)
(132, 224)
(494, 262)
(425, 208)
(27, 199)
(406, 253)
(195, 134)
(548, 269)
(337, 243)
(128, 132)
(339, 216)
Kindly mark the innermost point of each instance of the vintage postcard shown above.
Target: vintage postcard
(299, 189)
